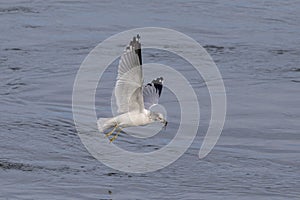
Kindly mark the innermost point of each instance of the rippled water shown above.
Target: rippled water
(256, 46)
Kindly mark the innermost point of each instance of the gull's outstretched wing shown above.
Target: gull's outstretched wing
(128, 89)
(152, 92)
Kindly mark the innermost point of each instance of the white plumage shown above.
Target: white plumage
(133, 99)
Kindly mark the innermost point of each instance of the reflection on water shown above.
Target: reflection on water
(256, 47)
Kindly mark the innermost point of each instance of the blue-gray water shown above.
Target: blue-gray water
(256, 46)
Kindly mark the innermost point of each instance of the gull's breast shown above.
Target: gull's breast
(133, 119)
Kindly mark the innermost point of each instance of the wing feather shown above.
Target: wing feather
(152, 92)
(128, 89)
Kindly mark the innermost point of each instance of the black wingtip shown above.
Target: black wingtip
(158, 80)
(135, 43)
(158, 84)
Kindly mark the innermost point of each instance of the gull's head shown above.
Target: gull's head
(155, 116)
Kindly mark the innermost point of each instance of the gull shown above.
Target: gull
(134, 100)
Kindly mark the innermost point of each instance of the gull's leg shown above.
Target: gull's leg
(111, 132)
(121, 131)
(115, 136)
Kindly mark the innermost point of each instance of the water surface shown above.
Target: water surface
(256, 47)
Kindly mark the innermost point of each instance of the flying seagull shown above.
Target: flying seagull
(133, 99)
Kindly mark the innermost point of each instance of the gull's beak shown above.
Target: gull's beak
(165, 122)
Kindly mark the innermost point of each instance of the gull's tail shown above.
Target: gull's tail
(105, 123)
